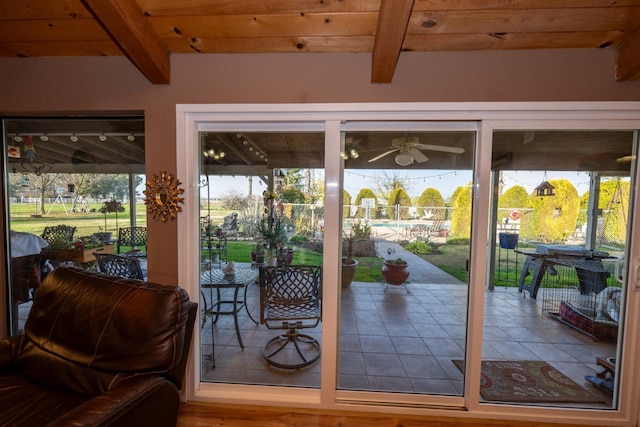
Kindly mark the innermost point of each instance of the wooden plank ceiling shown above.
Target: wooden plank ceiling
(149, 31)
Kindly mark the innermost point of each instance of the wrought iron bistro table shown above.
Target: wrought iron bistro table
(214, 278)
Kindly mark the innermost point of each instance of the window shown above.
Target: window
(72, 184)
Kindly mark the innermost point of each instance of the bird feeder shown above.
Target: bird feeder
(544, 189)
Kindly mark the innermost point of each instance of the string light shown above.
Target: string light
(211, 153)
(421, 178)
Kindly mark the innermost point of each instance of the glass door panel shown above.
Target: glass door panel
(261, 215)
(407, 205)
(553, 312)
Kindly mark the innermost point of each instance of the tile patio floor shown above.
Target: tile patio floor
(391, 341)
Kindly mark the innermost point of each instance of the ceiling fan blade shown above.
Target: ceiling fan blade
(418, 155)
(444, 148)
(382, 155)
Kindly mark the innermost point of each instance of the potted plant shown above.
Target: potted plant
(349, 264)
(395, 271)
(257, 253)
(272, 228)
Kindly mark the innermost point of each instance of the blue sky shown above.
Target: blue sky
(444, 181)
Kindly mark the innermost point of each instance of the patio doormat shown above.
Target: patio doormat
(528, 382)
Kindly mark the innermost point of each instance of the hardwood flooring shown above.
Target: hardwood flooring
(194, 414)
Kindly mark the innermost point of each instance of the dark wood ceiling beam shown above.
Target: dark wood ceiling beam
(130, 29)
(392, 25)
(628, 61)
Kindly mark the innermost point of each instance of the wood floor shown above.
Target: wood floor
(207, 414)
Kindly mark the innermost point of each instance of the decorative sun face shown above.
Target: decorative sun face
(162, 196)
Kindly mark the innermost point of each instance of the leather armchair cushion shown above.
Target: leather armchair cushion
(101, 344)
(139, 401)
(24, 402)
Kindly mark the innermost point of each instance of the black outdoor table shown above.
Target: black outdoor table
(588, 265)
(215, 278)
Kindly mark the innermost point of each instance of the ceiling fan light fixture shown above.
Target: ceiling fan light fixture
(626, 159)
(404, 159)
(44, 137)
(102, 137)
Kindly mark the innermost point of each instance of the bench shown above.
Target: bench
(417, 230)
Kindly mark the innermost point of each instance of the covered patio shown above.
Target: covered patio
(397, 342)
(406, 339)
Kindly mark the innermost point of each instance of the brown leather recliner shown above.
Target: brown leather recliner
(97, 350)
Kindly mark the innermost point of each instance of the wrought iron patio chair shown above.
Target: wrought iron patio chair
(60, 232)
(134, 238)
(291, 300)
(119, 265)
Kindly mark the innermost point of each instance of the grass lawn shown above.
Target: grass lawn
(452, 259)
(369, 268)
(86, 223)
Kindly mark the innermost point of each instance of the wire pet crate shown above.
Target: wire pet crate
(586, 300)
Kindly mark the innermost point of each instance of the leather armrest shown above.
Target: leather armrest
(8, 351)
(143, 400)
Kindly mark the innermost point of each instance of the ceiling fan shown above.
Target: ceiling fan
(409, 147)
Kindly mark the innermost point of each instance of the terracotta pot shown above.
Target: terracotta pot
(289, 258)
(257, 257)
(348, 272)
(395, 274)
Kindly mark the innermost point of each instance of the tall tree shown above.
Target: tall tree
(113, 186)
(399, 199)
(365, 193)
(614, 200)
(429, 199)
(514, 198)
(42, 181)
(387, 184)
(461, 215)
(346, 202)
(553, 218)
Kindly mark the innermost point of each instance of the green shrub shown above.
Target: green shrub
(460, 241)
(297, 240)
(419, 247)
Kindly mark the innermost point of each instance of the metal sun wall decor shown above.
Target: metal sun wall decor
(163, 195)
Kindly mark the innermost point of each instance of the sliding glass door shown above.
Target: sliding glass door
(261, 215)
(512, 230)
(560, 236)
(406, 227)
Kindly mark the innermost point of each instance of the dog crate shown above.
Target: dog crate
(586, 300)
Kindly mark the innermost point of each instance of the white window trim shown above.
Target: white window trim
(510, 115)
